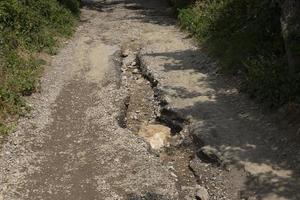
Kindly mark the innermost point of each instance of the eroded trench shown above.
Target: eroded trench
(199, 170)
(147, 114)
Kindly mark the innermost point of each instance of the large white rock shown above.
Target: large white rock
(157, 135)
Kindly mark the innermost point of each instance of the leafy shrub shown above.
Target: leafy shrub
(72, 5)
(180, 3)
(245, 36)
(26, 27)
(34, 22)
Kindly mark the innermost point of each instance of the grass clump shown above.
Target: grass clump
(180, 3)
(72, 5)
(26, 28)
(245, 36)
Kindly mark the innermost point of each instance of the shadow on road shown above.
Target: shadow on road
(238, 128)
(147, 11)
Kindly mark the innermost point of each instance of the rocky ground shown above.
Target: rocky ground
(130, 108)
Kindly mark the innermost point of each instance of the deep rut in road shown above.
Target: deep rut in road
(144, 106)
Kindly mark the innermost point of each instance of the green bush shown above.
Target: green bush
(26, 27)
(72, 5)
(33, 23)
(245, 36)
(180, 3)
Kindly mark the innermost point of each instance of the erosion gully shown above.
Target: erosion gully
(144, 106)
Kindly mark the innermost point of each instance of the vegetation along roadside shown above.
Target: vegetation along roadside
(26, 29)
(257, 39)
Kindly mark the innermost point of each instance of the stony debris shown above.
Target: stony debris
(196, 192)
(147, 196)
(133, 63)
(201, 193)
(126, 53)
(210, 154)
(135, 71)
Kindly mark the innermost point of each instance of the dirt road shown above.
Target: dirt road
(129, 66)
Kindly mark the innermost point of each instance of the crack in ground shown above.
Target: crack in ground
(145, 104)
